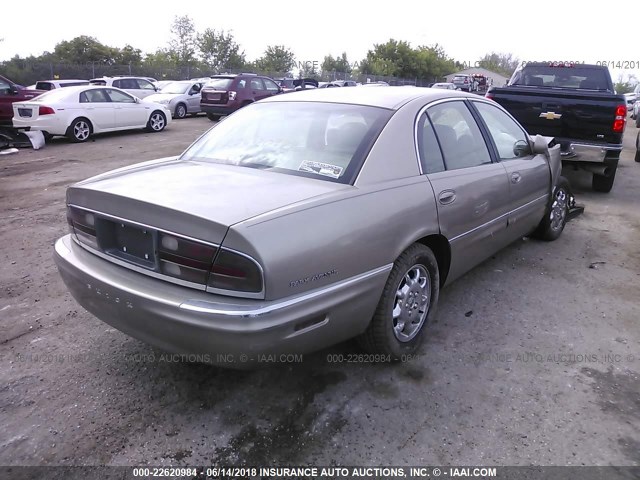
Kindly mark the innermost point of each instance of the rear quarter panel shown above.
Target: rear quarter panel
(354, 231)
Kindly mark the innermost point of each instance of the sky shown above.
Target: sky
(532, 31)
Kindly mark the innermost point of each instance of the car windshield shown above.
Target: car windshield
(327, 141)
(219, 83)
(176, 87)
(561, 77)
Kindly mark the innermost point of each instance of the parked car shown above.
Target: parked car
(327, 85)
(52, 84)
(577, 104)
(11, 92)
(286, 84)
(637, 157)
(465, 82)
(631, 100)
(80, 112)
(181, 98)
(345, 83)
(259, 238)
(445, 85)
(224, 94)
(636, 113)
(139, 86)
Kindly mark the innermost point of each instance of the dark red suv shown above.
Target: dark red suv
(224, 94)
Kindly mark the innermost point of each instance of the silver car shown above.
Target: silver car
(262, 239)
(181, 98)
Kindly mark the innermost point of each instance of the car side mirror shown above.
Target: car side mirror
(13, 89)
(136, 99)
(521, 148)
(540, 145)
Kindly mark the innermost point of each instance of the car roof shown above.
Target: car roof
(383, 96)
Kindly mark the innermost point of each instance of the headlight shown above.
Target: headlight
(164, 102)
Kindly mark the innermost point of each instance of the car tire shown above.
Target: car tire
(603, 183)
(637, 121)
(637, 157)
(555, 218)
(80, 130)
(181, 111)
(212, 117)
(397, 327)
(157, 121)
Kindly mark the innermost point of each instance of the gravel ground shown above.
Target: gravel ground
(534, 357)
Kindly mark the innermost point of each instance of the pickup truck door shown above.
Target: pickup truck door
(471, 191)
(529, 175)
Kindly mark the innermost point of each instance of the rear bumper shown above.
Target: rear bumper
(54, 126)
(218, 109)
(577, 152)
(230, 332)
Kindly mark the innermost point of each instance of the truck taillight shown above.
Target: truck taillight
(621, 119)
(46, 111)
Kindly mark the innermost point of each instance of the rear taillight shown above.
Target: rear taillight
(489, 96)
(621, 119)
(185, 259)
(236, 272)
(232, 95)
(46, 111)
(83, 225)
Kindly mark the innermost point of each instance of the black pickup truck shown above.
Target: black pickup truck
(576, 104)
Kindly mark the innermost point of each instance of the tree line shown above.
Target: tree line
(217, 51)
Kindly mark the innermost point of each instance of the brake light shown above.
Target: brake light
(233, 271)
(621, 119)
(83, 225)
(489, 96)
(184, 258)
(46, 111)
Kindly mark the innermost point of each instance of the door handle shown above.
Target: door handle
(515, 177)
(446, 197)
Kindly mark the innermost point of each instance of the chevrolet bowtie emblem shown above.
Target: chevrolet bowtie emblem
(550, 115)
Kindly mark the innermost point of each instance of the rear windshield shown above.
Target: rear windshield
(219, 83)
(44, 86)
(52, 95)
(326, 141)
(561, 77)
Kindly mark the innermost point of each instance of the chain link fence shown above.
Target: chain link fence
(27, 73)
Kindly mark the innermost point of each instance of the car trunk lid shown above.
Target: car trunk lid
(194, 198)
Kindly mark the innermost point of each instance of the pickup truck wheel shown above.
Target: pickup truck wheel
(407, 304)
(603, 183)
(212, 117)
(555, 218)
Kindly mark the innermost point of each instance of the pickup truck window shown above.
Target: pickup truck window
(505, 132)
(561, 77)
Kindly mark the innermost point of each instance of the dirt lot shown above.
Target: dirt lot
(534, 358)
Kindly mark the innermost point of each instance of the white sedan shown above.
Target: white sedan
(79, 112)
